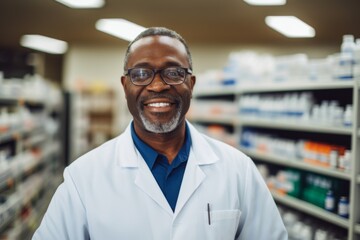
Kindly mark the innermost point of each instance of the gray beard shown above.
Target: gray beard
(157, 127)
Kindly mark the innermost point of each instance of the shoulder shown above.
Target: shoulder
(223, 148)
(208, 147)
(93, 170)
(104, 159)
(229, 156)
(99, 157)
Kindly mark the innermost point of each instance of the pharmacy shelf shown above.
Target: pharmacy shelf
(25, 227)
(357, 228)
(297, 164)
(311, 209)
(273, 87)
(5, 136)
(292, 125)
(36, 139)
(7, 216)
(220, 119)
(18, 98)
(216, 91)
(18, 132)
(4, 100)
(337, 133)
(6, 178)
(24, 164)
(286, 125)
(296, 86)
(28, 191)
(34, 162)
(24, 196)
(9, 210)
(32, 137)
(10, 95)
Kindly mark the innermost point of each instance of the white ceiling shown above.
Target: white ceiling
(199, 21)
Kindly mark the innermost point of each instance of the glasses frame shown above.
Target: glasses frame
(156, 71)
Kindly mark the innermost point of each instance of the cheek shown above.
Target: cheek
(131, 99)
(131, 92)
(131, 96)
(186, 96)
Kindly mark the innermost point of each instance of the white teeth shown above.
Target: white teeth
(161, 104)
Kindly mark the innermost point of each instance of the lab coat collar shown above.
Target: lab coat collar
(128, 156)
(201, 153)
(126, 152)
(202, 150)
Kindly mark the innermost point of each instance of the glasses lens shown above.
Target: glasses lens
(141, 76)
(173, 75)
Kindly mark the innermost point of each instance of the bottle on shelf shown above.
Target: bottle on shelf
(345, 161)
(356, 69)
(4, 120)
(345, 70)
(348, 116)
(343, 207)
(330, 201)
(321, 235)
(333, 158)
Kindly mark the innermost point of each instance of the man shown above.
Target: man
(161, 179)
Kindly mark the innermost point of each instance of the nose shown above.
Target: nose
(158, 84)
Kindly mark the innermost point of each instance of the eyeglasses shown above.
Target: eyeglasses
(170, 75)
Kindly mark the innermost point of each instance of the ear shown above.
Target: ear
(192, 81)
(122, 79)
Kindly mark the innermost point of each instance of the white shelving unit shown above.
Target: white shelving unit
(352, 224)
(357, 228)
(289, 125)
(311, 210)
(298, 164)
(93, 121)
(32, 170)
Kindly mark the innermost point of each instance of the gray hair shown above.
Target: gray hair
(158, 31)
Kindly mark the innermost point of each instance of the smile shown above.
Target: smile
(159, 104)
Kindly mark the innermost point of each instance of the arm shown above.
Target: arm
(260, 218)
(65, 217)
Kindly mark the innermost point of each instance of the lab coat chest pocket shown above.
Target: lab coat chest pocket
(221, 224)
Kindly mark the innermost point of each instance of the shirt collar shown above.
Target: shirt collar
(150, 155)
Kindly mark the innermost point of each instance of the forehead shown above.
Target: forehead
(157, 50)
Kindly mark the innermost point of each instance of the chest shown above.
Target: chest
(122, 206)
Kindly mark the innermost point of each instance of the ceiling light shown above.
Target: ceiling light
(290, 26)
(266, 2)
(120, 28)
(44, 44)
(82, 3)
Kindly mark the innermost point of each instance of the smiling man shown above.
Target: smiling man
(158, 86)
(161, 178)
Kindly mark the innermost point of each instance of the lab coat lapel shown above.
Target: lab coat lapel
(147, 183)
(129, 157)
(192, 179)
(200, 154)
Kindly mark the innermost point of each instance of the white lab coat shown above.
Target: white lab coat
(110, 194)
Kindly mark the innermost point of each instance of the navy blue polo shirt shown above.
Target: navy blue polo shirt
(168, 176)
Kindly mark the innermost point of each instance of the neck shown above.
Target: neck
(168, 144)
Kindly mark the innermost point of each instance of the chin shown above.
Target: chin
(157, 127)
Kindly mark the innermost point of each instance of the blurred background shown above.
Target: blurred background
(279, 80)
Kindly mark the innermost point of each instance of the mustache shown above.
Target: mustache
(172, 98)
